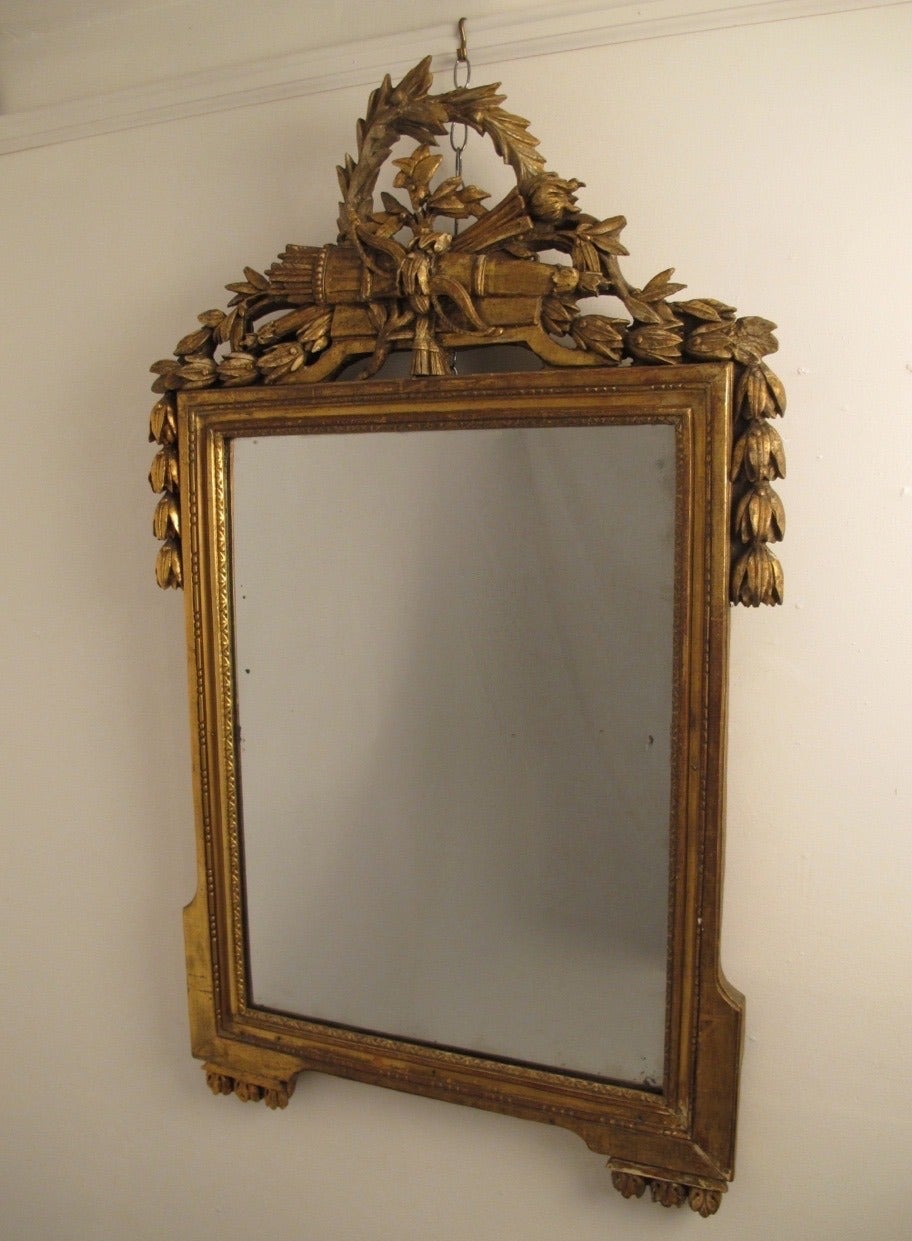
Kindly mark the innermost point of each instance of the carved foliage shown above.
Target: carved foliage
(758, 458)
(628, 1184)
(163, 478)
(397, 279)
(705, 1202)
(668, 1193)
(275, 1095)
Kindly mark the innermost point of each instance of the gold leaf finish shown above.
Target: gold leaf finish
(759, 454)
(274, 1094)
(166, 521)
(705, 1202)
(679, 1140)
(757, 458)
(168, 569)
(757, 577)
(399, 279)
(669, 1193)
(162, 423)
(163, 476)
(759, 516)
(628, 1185)
(704, 1199)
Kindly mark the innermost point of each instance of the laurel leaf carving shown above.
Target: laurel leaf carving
(168, 571)
(166, 519)
(757, 578)
(162, 423)
(398, 279)
(163, 475)
(629, 1185)
(760, 516)
(706, 308)
(669, 1193)
(705, 1202)
(193, 341)
(759, 453)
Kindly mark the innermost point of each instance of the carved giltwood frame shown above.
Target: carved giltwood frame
(692, 364)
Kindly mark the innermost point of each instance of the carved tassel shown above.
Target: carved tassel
(427, 356)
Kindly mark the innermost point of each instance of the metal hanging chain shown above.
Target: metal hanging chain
(461, 68)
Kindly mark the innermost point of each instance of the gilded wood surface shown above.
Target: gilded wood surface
(680, 1142)
(397, 279)
(400, 277)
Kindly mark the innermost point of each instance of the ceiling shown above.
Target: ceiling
(58, 51)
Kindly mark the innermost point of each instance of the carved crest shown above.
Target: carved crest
(401, 276)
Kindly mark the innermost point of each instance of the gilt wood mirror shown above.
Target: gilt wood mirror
(457, 648)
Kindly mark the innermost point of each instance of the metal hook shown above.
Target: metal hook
(462, 59)
(462, 51)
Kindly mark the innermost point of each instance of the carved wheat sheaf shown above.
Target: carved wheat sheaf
(396, 279)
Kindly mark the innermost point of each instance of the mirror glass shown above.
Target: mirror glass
(455, 659)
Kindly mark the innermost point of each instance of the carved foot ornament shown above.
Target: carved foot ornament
(668, 1193)
(273, 1094)
(396, 280)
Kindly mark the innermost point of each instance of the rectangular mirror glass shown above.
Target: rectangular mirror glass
(455, 660)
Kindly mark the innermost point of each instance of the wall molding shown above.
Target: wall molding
(497, 40)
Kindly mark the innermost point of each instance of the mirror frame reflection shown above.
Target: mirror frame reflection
(677, 1140)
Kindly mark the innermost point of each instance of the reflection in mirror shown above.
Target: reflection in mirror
(454, 659)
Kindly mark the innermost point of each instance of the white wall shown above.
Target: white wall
(771, 165)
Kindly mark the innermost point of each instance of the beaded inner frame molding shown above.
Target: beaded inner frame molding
(432, 271)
